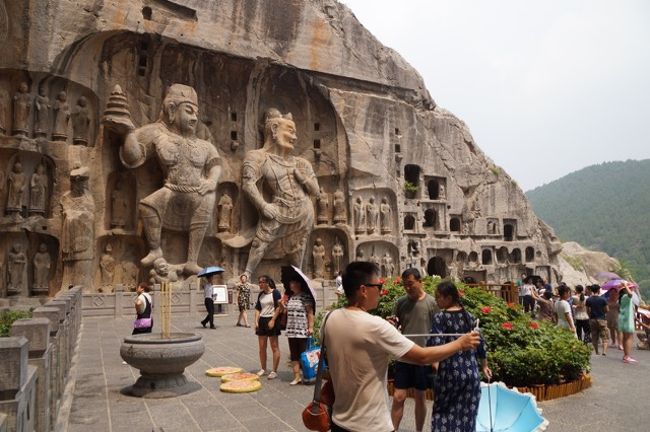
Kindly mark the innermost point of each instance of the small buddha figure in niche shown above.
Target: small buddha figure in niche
(337, 256)
(225, 207)
(42, 117)
(107, 268)
(318, 254)
(372, 214)
(16, 262)
(119, 205)
(375, 259)
(16, 185)
(38, 187)
(61, 117)
(42, 263)
(340, 215)
(22, 110)
(385, 216)
(387, 266)
(322, 207)
(359, 211)
(129, 275)
(442, 192)
(80, 122)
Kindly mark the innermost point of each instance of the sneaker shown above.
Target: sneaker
(629, 360)
(296, 381)
(124, 363)
(272, 375)
(261, 372)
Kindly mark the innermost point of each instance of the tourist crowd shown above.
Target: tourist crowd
(604, 319)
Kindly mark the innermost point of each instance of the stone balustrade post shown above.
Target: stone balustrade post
(37, 332)
(17, 384)
(156, 312)
(52, 313)
(62, 337)
(119, 297)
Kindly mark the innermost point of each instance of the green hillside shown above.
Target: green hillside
(604, 207)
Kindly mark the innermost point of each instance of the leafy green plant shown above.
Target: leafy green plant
(522, 352)
(410, 187)
(8, 317)
(495, 170)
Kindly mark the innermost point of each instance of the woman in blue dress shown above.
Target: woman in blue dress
(457, 384)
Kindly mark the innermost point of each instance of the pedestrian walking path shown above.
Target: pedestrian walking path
(617, 401)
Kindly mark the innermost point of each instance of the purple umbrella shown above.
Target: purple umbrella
(616, 284)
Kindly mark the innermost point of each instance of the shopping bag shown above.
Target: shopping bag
(309, 362)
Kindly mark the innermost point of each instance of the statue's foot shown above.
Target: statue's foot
(192, 268)
(151, 257)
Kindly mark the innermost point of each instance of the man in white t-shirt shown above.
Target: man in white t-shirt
(358, 349)
(563, 309)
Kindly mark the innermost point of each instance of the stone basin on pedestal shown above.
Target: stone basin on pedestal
(162, 362)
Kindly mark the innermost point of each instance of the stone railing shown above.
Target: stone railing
(35, 362)
(186, 298)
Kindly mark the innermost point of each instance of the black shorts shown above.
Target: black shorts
(297, 346)
(412, 376)
(264, 330)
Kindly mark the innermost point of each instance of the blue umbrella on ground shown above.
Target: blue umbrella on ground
(506, 410)
(211, 270)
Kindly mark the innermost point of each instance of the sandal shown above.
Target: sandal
(296, 381)
(272, 375)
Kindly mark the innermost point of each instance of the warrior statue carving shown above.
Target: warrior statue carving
(286, 221)
(190, 165)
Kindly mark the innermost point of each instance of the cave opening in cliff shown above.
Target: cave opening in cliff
(430, 218)
(454, 224)
(486, 257)
(437, 266)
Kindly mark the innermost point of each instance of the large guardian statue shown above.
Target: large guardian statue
(191, 167)
(287, 219)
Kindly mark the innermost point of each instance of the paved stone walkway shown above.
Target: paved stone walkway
(617, 402)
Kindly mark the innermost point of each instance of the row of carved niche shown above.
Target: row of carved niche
(117, 263)
(384, 254)
(28, 265)
(28, 181)
(490, 256)
(328, 252)
(373, 214)
(43, 110)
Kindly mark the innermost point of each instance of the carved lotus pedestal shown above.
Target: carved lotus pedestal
(162, 363)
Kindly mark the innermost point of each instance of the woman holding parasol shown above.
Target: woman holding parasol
(300, 306)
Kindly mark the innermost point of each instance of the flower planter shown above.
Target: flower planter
(555, 391)
(541, 392)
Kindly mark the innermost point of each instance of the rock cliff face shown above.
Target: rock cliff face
(401, 180)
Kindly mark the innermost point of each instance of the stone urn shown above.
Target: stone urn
(162, 362)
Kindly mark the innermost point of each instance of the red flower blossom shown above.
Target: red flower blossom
(382, 281)
(512, 305)
(397, 280)
(383, 292)
(534, 325)
(486, 309)
(506, 326)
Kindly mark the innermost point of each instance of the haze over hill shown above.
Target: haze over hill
(603, 207)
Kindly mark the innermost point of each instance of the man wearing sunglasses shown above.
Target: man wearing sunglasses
(359, 347)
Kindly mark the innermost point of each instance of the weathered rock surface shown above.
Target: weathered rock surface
(579, 265)
(365, 123)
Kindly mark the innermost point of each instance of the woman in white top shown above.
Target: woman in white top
(563, 309)
(267, 309)
(580, 314)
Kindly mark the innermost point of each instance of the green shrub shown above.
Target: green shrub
(521, 352)
(410, 187)
(7, 318)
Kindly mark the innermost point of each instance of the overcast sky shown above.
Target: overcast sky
(546, 87)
